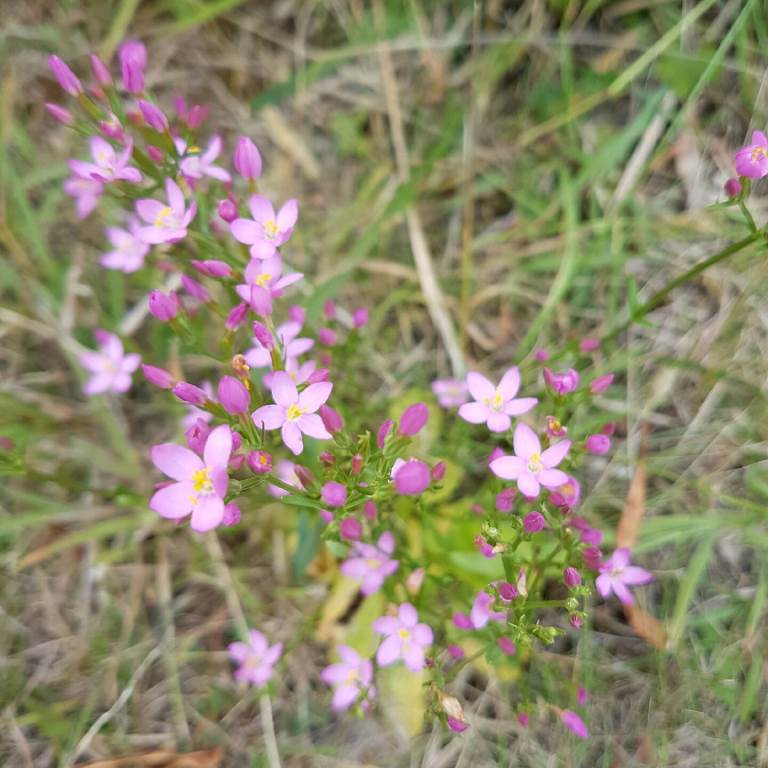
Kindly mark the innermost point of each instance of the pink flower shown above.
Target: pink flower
(562, 383)
(450, 393)
(372, 564)
(413, 419)
(107, 165)
(232, 515)
(267, 231)
(752, 161)
(495, 405)
(601, 383)
(247, 159)
(256, 658)
(481, 612)
(128, 250)
(333, 494)
(360, 317)
(166, 223)
(293, 413)
(86, 193)
(616, 574)
(110, 367)
(264, 281)
(200, 484)
(195, 164)
(566, 495)
(287, 334)
(351, 679)
(259, 462)
(574, 723)
(68, 80)
(133, 59)
(404, 638)
(411, 477)
(530, 467)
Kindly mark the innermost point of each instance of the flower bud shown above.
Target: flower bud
(227, 209)
(413, 419)
(601, 383)
(415, 580)
(327, 337)
(575, 621)
(329, 309)
(334, 494)
(438, 471)
(589, 344)
(384, 429)
(164, 306)
(189, 393)
(462, 621)
(305, 476)
(496, 453)
(154, 116)
(598, 444)
(507, 591)
(61, 114)
(592, 557)
(332, 419)
(412, 478)
(318, 375)
(542, 355)
(259, 462)
(456, 651)
(555, 428)
(561, 383)
(197, 115)
(523, 718)
(158, 377)
(574, 724)
(68, 80)
(133, 59)
(212, 268)
(234, 397)
(356, 463)
(582, 696)
(507, 646)
(100, 71)
(534, 522)
(350, 528)
(236, 317)
(571, 577)
(155, 154)
(247, 159)
(733, 187)
(360, 317)
(327, 458)
(232, 515)
(370, 510)
(297, 314)
(197, 435)
(326, 516)
(195, 289)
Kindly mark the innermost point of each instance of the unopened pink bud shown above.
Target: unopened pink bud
(232, 515)
(329, 309)
(571, 577)
(259, 462)
(523, 718)
(133, 59)
(507, 646)
(327, 458)
(100, 71)
(332, 419)
(234, 396)
(575, 621)
(507, 591)
(733, 187)
(370, 510)
(462, 621)
(327, 336)
(589, 344)
(227, 209)
(456, 725)
(384, 430)
(360, 317)
(601, 383)
(534, 522)
(189, 393)
(456, 651)
(598, 444)
(197, 115)
(195, 289)
(247, 159)
(350, 528)
(356, 464)
(608, 428)
(412, 478)
(164, 306)
(263, 335)
(505, 499)
(236, 317)
(61, 114)
(212, 267)
(438, 471)
(542, 355)
(155, 154)
(197, 435)
(318, 375)
(334, 494)
(297, 314)
(159, 377)
(496, 453)
(561, 383)
(154, 116)
(413, 419)
(68, 80)
(306, 478)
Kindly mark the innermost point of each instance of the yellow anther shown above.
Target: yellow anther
(271, 229)
(293, 412)
(163, 216)
(201, 481)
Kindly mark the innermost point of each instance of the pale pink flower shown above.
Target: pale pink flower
(616, 574)
(450, 393)
(293, 413)
(128, 249)
(530, 466)
(752, 160)
(292, 346)
(495, 405)
(264, 281)
(404, 638)
(110, 368)
(197, 164)
(166, 223)
(86, 193)
(107, 165)
(267, 231)
(351, 679)
(372, 564)
(200, 484)
(256, 658)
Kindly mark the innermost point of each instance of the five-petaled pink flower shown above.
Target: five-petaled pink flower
(405, 638)
(107, 165)
(530, 466)
(494, 405)
(292, 345)
(201, 484)
(294, 413)
(371, 563)
(110, 367)
(256, 658)
(167, 223)
(264, 281)
(197, 164)
(128, 250)
(752, 161)
(616, 574)
(482, 613)
(450, 393)
(351, 678)
(86, 193)
(267, 231)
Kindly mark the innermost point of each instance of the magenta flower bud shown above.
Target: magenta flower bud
(486, 550)
(100, 71)
(561, 383)
(574, 724)
(601, 383)
(197, 435)
(227, 209)
(356, 464)
(350, 528)
(61, 114)
(306, 478)
(195, 289)
(360, 317)
(263, 335)
(133, 59)
(68, 80)
(259, 462)
(413, 419)
(571, 577)
(197, 115)
(154, 116)
(334, 494)
(212, 267)
(232, 515)
(598, 444)
(6, 444)
(438, 471)
(297, 314)
(523, 718)
(542, 355)
(534, 522)
(505, 499)
(326, 516)
(234, 396)
(507, 591)
(507, 646)
(462, 621)
(384, 429)
(733, 187)
(332, 419)
(582, 696)
(589, 344)
(155, 154)
(576, 621)
(592, 558)
(455, 651)
(189, 393)
(247, 159)
(412, 478)
(591, 536)
(159, 377)
(456, 725)
(327, 337)
(566, 495)
(237, 441)
(318, 375)
(327, 458)
(329, 309)
(164, 306)
(477, 510)
(370, 510)
(496, 453)
(236, 317)
(112, 129)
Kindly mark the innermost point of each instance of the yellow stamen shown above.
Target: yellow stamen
(263, 279)
(201, 481)
(758, 153)
(293, 412)
(404, 634)
(534, 463)
(163, 216)
(271, 229)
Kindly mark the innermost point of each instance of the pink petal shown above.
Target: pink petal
(284, 390)
(519, 406)
(213, 151)
(177, 462)
(509, 384)
(633, 574)
(621, 591)
(101, 382)
(498, 422)
(175, 197)
(208, 513)
(603, 584)
(389, 651)
(386, 542)
(508, 467)
(354, 568)
(474, 413)
(528, 484)
(555, 454)
(386, 625)
(257, 641)
(238, 652)
(621, 558)
(344, 696)
(288, 215)
(244, 231)
(174, 501)
(408, 615)
(552, 478)
(479, 387)
(414, 657)
(311, 424)
(335, 673)
(148, 209)
(291, 435)
(269, 416)
(216, 172)
(263, 249)
(525, 441)
(261, 209)
(218, 447)
(314, 396)
(422, 634)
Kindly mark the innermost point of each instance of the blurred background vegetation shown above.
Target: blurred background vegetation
(551, 161)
